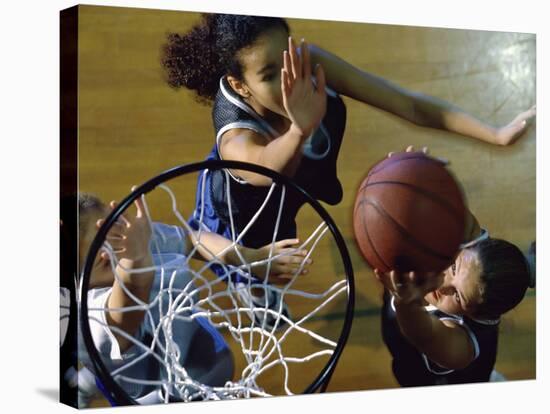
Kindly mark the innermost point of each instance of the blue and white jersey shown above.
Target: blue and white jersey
(316, 173)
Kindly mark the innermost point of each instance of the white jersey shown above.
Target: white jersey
(171, 278)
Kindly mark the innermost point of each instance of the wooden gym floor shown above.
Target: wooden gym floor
(133, 126)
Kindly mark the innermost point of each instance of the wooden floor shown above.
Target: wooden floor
(133, 126)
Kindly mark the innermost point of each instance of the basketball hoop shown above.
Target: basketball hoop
(267, 359)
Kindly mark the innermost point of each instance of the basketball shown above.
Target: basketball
(409, 214)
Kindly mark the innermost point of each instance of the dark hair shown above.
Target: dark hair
(88, 203)
(198, 59)
(504, 277)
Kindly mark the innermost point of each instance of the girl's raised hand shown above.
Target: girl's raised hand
(304, 102)
(129, 236)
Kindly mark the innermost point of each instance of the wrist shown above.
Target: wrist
(492, 135)
(233, 258)
(298, 132)
(127, 270)
(250, 255)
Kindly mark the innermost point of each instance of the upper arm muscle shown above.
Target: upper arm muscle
(363, 86)
(244, 145)
(451, 346)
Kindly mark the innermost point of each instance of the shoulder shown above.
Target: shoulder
(239, 143)
(231, 112)
(454, 344)
(482, 335)
(243, 136)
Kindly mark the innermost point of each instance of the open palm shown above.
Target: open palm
(304, 102)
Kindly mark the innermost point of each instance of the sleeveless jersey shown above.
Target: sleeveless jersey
(316, 173)
(413, 368)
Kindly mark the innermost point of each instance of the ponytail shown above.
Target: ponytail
(190, 61)
(198, 59)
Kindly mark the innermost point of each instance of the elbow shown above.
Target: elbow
(422, 111)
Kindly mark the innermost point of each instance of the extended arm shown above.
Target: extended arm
(443, 342)
(289, 261)
(129, 238)
(415, 107)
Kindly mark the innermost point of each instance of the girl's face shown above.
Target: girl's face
(460, 293)
(262, 63)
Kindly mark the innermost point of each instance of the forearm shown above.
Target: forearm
(415, 323)
(284, 153)
(139, 285)
(443, 342)
(211, 245)
(437, 113)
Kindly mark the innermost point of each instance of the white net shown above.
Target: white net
(278, 338)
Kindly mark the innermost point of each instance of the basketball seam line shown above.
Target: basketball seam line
(365, 227)
(433, 196)
(421, 246)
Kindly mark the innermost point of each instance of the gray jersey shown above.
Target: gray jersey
(173, 279)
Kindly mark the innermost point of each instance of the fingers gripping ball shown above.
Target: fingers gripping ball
(409, 214)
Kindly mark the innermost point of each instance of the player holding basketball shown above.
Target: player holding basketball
(271, 109)
(201, 348)
(443, 329)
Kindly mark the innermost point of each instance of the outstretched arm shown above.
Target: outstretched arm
(288, 258)
(443, 342)
(415, 107)
(129, 238)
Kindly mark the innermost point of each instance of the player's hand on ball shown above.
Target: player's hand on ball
(410, 148)
(425, 150)
(409, 287)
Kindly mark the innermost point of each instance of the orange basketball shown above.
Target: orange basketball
(409, 214)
